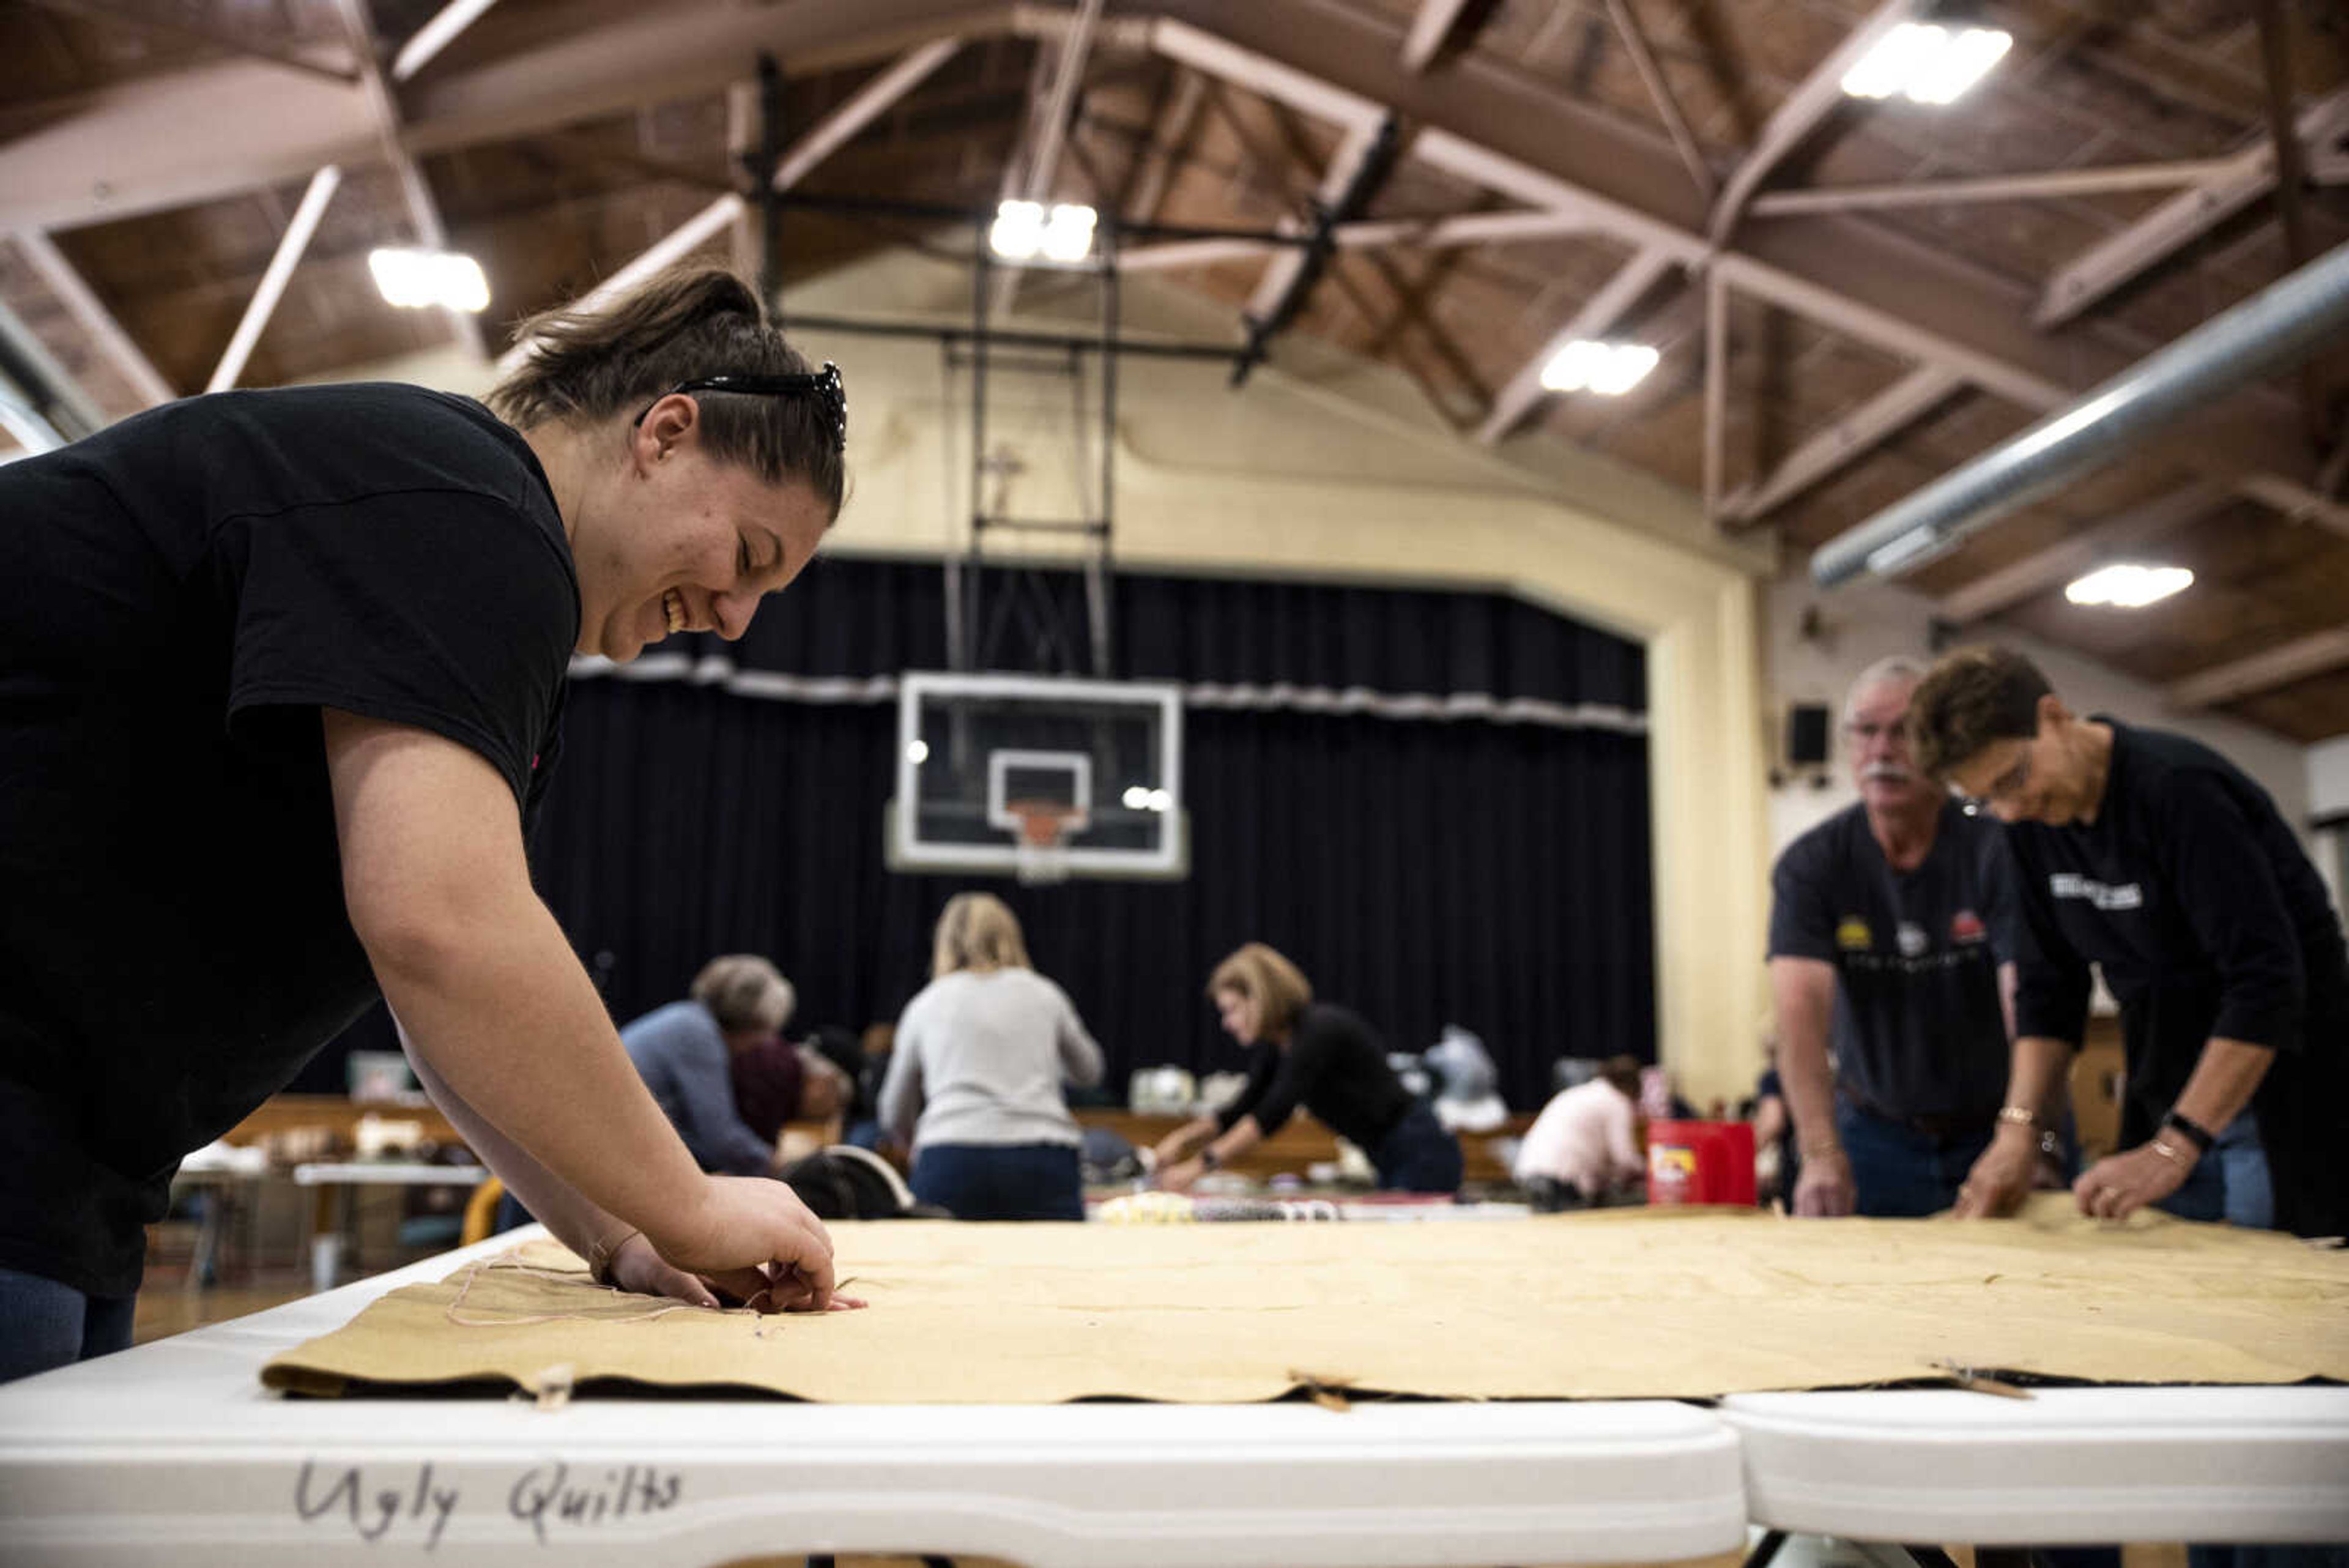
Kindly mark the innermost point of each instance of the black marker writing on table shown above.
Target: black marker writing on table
(371, 1512)
(546, 1496)
(550, 1491)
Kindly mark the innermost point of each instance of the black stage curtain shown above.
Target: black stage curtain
(1421, 871)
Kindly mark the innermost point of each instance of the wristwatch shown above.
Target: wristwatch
(1209, 1159)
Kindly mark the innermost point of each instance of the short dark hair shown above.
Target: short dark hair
(591, 363)
(1973, 698)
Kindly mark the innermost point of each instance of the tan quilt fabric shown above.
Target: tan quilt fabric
(1628, 1303)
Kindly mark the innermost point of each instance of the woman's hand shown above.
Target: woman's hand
(2119, 1185)
(637, 1267)
(752, 1238)
(1180, 1177)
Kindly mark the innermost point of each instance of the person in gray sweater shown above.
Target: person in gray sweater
(683, 1053)
(974, 1085)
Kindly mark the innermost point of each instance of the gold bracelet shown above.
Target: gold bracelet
(2019, 1116)
(601, 1256)
(2170, 1152)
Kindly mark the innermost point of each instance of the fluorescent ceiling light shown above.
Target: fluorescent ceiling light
(2129, 584)
(414, 279)
(1926, 63)
(1610, 369)
(1028, 231)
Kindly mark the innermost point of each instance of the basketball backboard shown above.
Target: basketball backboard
(1040, 777)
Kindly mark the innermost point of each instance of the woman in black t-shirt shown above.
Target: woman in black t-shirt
(1319, 1056)
(284, 682)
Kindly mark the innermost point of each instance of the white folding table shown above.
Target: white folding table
(336, 1180)
(172, 1452)
(2066, 1467)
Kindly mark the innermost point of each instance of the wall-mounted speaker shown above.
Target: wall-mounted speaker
(1807, 734)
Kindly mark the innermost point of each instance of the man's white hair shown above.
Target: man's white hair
(1883, 672)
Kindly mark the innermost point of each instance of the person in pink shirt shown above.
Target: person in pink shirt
(1584, 1147)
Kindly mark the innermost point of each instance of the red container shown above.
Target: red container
(1701, 1162)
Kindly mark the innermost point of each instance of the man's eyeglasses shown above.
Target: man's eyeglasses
(824, 384)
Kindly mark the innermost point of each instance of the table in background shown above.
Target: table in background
(330, 1216)
(174, 1453)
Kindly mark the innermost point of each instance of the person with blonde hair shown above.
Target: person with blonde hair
(1317, 1056)
(974, 1082)
(284, 682)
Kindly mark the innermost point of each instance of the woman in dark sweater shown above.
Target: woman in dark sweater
(1317, 1056)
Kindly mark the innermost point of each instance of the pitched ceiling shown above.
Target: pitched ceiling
(153, 153)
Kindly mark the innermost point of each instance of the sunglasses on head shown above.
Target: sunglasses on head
(824, 383)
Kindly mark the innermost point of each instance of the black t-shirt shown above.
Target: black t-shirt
(1917, 1029)
(179, 595)
(1334, 1067)
(2193, 895)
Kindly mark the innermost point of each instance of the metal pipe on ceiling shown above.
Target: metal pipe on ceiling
(2273, 330)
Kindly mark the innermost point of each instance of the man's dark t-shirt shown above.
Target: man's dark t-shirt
(1334, 1068)
(1918, 1028)
(2194, 896)
(180, 596)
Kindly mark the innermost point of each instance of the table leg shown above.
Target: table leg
(329, 1211)
(203, 1268)
(1765, 1549)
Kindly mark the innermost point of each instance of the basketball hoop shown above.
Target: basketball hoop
(1040, 851)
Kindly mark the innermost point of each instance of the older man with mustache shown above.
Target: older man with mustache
(1885, 940)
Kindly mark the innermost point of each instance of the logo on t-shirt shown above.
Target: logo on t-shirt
(1966, 928)
(1853, 935)
(2104, 896)
(1911, 938)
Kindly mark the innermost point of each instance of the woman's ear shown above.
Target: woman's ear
(668, 425)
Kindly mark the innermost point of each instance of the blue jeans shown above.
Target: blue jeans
(1417, 1155)
(1001, 1182)
(2230, 1182)
(1898, 1172)
(44, 1324)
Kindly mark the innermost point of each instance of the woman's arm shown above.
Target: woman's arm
(1080, 1057)
(900, 1107)
(437, 888)
(577, 1223)
(1234, 1141)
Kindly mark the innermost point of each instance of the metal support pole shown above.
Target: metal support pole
(288, 255)
(2273, 330)
(770, 155)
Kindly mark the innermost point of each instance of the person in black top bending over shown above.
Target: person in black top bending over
(2154, 857)
(281, 681)
(1310, 1054)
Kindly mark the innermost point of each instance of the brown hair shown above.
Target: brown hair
(743, 990)
(1622, 1073)
(978, 932)
(590, 363)
(1277, 986)
(1972, 699)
